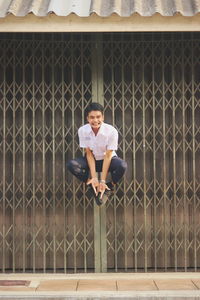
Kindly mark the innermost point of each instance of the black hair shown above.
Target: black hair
(94, 106)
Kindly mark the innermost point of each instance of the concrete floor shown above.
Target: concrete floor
(102, 286)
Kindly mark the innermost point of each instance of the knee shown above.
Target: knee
(72, 165)
(123, 165)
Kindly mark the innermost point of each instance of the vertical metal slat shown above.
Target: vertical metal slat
(194, 164)
(124, 151)
(33, 158)
(184, 161)
(14, 165)
(154, 165)
(43, 165)
(24, 229)
(164, 161)
(53, 154)
(4, 165)
(63, 162)
(134, 160)
(174, 164)
(144, 161)
(73, 151)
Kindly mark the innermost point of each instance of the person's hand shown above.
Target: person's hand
(95, 184)
(102, 187)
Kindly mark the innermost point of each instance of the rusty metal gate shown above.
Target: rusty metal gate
(150, 87)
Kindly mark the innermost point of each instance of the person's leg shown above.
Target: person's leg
(79, 168)
(117, 168)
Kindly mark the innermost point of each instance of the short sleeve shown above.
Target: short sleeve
(82, 140)
(113, 141)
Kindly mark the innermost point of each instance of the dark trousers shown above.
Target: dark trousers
(79, 168)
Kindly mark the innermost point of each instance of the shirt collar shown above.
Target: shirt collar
(101, 129)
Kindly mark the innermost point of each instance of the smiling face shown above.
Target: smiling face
(95, 119)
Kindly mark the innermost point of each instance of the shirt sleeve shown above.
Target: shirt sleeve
(113, 141)
(82, 140)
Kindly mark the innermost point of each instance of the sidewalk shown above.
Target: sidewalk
(100, 286)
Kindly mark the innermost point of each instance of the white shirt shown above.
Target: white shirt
(106, 139)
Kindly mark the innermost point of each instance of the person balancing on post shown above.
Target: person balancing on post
(100, 141)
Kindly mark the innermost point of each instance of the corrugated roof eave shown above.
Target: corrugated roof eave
(102, 8)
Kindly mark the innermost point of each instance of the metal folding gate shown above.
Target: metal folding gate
(150, 87)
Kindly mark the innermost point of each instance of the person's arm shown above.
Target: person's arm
(112, 145)
(106, 164)
(83, 142)
(91, 163)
